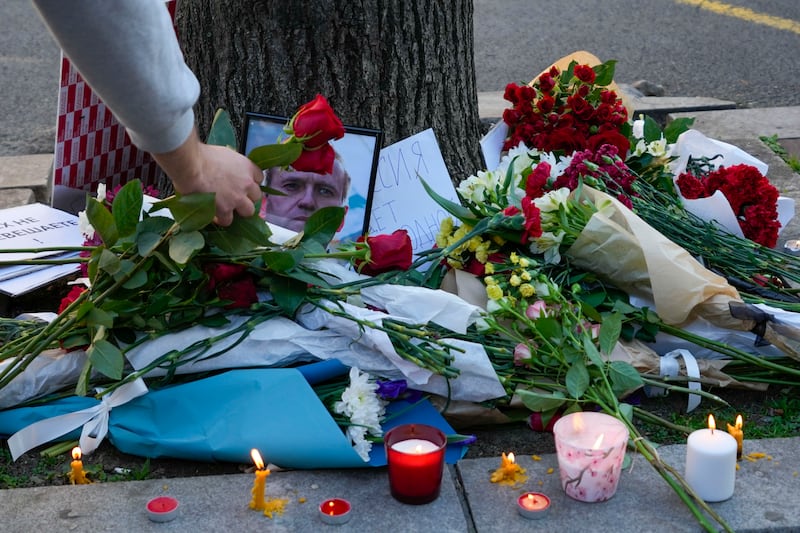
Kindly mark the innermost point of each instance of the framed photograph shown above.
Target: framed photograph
(351, 184)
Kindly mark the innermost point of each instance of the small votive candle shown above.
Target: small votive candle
(162, 509)
(415, 460)
(533, 505)
(335, 511)
(77, 476)
(737, 433)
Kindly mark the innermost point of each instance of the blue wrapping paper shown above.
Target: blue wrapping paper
(221, 418)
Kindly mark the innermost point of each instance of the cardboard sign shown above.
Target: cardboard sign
(400, 201)
(35, 226)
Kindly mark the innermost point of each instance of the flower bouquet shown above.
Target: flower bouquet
(170, 297)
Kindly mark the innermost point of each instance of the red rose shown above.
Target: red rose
(71, 296)
(613, 138)
(316, 123)
(386, 252)
(585, 73)
(219, 273)
(319, 160)
(546, 81)
(241, 292)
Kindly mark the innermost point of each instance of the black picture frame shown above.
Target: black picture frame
(359, 149)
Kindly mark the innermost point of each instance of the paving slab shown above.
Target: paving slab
(32, 172)
(746, 123)
(766, 496)
(220, 503)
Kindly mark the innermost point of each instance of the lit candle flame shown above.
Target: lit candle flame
(417, 450)
(257, 459)
(531, 498)
(598, 442)
(739, 422)
(511, 458)
(577, 422)
(712, 425)
(332, 509)
(76, 452)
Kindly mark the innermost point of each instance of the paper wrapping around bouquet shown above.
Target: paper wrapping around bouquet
(622, 248)
(221, 418)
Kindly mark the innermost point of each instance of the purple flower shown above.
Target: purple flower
(391, 390)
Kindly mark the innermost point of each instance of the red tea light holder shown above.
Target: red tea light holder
(335, 511)
(415, 461)
(533, 505)
(162, 509)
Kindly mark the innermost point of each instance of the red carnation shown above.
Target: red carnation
(386, 253)
(691, 188)
(533, 220)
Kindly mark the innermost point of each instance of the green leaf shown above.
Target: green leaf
(139, 279)
(98, 317)
(673, 130)
(626, 410)
(82, 387)
(577, 379)
(109, 261)
(192, 211)
(610, 329)
(289, 293)
(540, 401)
(624, 377)
(106, 358)
(102, 221)
(457, 210)
(253, 228)
(184, 245)
(275, 155)
(591, 351)
(652, 131)
(322, 225)
(282, 261)
(127, 207)
(604, 73)
(222, 132)
(147, 242)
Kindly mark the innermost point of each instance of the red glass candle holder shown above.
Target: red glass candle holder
(415, 457)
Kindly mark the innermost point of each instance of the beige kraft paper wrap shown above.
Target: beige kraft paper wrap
(622, 248)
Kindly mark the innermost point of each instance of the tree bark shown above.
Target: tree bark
(394, 65)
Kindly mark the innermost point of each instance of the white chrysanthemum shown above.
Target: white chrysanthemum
(521, 156)
(364, 409)
(101, 192)
(84, 226)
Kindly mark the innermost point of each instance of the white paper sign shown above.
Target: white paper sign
(492, 145)
(400, 201)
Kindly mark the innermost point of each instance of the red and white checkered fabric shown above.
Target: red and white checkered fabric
(91, 146)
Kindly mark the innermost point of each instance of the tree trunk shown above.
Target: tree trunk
(394, 65)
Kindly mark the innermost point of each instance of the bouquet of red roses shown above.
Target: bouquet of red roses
(567, 110)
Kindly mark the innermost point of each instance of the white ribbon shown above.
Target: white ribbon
(93, 419)
(671, 367)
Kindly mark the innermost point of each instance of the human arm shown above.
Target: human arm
(128, 53)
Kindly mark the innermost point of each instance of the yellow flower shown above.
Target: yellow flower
(482, 252)
(489, 268)
(524, 263)
(515, 281)
(489, 280)
(526, 290)
(494, 292)
(514, 258)
(525, 275)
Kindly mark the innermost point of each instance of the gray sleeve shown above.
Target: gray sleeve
(128, 53)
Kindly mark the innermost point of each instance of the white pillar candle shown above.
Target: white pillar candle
(711, 463)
